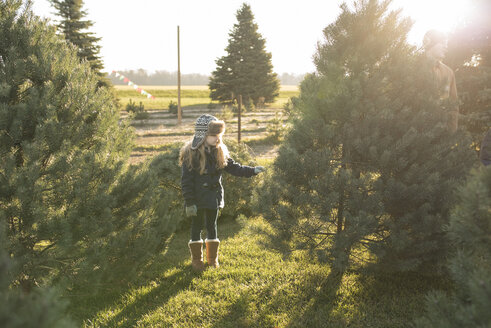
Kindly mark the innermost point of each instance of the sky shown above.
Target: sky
(143, 34)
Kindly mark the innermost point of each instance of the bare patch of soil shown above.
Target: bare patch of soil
(161, 128)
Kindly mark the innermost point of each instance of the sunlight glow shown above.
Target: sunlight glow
(442, 15)
(149, 41)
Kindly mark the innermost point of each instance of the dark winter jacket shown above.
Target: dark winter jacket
(206, 190)
(485, 154)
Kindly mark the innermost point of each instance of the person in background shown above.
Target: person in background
(435, 45)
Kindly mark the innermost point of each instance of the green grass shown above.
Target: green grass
(152, 148)
(197, 97)
(255, 286)
(166, 93)
(264, 161)
(162, 103)
(267, 139)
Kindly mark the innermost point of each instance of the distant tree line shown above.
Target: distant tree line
(291, 78)
(141, 76)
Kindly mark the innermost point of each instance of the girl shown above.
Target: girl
(203, 160)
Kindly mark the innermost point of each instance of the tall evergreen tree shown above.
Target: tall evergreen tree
(74, 28)
(246, 69)
(469, 234)
(469, 54)
(369, 164)
(72, 206)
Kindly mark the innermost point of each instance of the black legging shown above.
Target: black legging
(204, 216)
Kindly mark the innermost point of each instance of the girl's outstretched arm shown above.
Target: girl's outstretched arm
(239, 170)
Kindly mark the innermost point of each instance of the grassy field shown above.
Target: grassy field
(255, 286)
(191, 96)
(161, 127)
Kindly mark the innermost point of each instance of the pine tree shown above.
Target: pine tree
(40, 309)
(470, 56)
(74, 210)
(238, 191)
(73, 25)
(369, 165)
(469, 235)
(246, 69)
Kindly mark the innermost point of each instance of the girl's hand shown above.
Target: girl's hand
(259, 169)
(191, 210)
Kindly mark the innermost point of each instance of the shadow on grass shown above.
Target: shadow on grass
(368, 299)
(286, 293)
(321, 306)
(323, 298)
(308, 308)
(167, 275)
(148, 302)
(392, 299)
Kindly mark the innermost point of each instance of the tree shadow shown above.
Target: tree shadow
(247, 311)
(175, 261)
(399, 294)
(369, 299)
(265, 305)
(166, 288)
(356, 298)
(319, 309)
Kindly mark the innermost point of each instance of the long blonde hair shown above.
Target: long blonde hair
(196, 159)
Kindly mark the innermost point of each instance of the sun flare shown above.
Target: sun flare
(442, 15)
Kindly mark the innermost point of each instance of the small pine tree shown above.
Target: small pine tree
(469, 234)
(246, 69)
(238, 191)
(73, 26)
(74, 210)
(369, 164)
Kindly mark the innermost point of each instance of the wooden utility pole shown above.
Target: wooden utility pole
(240, 110)
(179, 111)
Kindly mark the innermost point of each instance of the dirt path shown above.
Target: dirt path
(161, 128)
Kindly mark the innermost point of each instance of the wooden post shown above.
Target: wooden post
(179, 111)
(240, 110)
